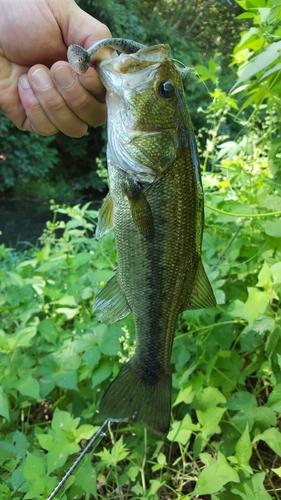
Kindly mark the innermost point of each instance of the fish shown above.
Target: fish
(155, 206)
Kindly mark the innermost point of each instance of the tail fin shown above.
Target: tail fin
(130, 397)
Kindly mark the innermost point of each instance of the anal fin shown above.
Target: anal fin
(202, 296)
(111, 303)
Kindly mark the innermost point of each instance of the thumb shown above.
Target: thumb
(81, 28)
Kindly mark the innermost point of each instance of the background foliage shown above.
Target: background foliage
(56, 360)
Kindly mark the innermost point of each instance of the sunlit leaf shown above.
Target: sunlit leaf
(215, 476)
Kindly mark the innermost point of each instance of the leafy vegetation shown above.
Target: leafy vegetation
(56, 360)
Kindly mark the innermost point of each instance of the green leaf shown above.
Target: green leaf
(119, 451)
(207, 398)
(243, 450)
(155, 484)
(274, 400)
(34, 471)
(4, 404)
(215, 476)
(23, 336)
(182, 430)
(264, 275)
(209, 420)
(66, 300)
(110, 344)
(67, 379)
(69, 312)
(273, 228)
(276, 272)
(86, 477)
(252, 489)
(28, 386)
(48, 329)
(272, 437)
(261, 61)
(101, 373)
(63, 422)
(46, 441)
(59, 453)
(256, 303)
(277, 471)
(85, 431)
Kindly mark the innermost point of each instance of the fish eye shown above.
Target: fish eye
(166, 89)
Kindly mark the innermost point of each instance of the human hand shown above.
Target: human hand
(39, 91)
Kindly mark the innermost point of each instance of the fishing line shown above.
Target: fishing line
(98, 434)
(221, 257)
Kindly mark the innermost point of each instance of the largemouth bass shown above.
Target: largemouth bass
(155, 205)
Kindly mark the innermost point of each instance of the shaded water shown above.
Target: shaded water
(21, 223)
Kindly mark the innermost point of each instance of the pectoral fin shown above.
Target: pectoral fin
(202, 296)
(105, 220)
(111, 303)
(140, 209)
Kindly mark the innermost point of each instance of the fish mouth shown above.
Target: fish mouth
(132, 71)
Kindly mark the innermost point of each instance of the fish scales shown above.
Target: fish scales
(156, 207)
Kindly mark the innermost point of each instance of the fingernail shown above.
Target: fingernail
(64, 77)
(41, 79)
(24, 82)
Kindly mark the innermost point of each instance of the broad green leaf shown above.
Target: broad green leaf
(209, 420)
(276, 272)
(119, 451)
(92, 356)
(215, 476)
(48, 329)
(110, 344)
(272, 437)
(28, 386)
(86, 477)
(253, 335)
(34, 467)
(252, 489)
(69, 312)
(101, 373)
(46, 441)
(67, 379)
(264, 275)
(85, 431)
(243, 450)
(66, 300)
(261, 61)
(264, 417)
(275, 68)
(256, 303)
(23, 336)
(59, 453)
(4, 404)
(274, 400)
(63, 422)
(277, 471)
(182, 430)
(207, 398)
(39, 484)
(155, 484)
(273, 228)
